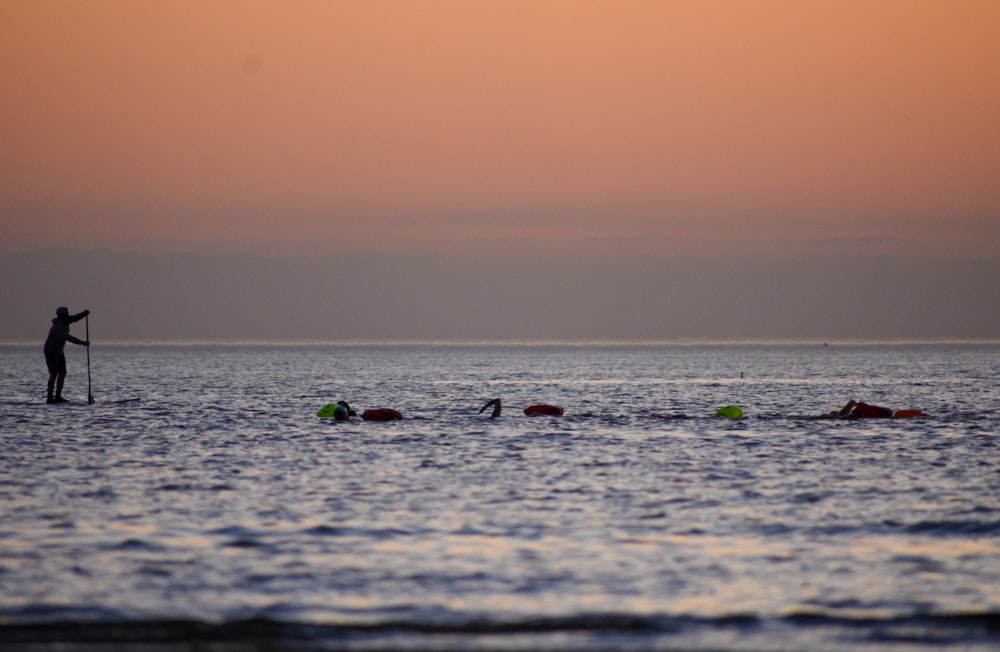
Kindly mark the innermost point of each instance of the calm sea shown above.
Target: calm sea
(200, 500)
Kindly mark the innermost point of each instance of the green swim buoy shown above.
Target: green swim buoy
(730, 412)
(327, 410)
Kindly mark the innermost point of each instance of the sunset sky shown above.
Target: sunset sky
(585, 130)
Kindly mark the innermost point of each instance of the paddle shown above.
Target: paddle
(90, 393)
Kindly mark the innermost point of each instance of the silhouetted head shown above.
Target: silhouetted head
(62, 312)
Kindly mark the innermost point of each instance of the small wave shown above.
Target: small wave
(135, 544)
(376, 534)
(868, 632)
(326, 531)
(954, 528)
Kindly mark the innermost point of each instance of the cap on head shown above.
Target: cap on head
(62, 311)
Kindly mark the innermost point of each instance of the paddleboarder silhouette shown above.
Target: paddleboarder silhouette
(55, 359)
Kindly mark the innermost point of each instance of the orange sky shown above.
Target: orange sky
(576, 127)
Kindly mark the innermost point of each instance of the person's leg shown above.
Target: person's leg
(56, 364)
(60, 379)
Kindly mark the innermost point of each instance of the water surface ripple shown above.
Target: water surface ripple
(200, 498)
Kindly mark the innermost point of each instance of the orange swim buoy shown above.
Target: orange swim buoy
(903, 414)
(551, 410)
(381, 414)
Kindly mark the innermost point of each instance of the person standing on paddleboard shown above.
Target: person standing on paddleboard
(55, 359)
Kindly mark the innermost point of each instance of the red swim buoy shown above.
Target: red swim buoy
(551, 410)
(903, 414)
(381, 414)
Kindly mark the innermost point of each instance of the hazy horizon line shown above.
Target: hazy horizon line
(514, 342)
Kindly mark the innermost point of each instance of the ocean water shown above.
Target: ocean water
(199, 500)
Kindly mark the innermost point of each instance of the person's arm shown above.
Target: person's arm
(496, 408)
(846, 410)
(76, 340)
(77, 317)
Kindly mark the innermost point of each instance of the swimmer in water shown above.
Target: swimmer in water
(531, 410)
(859, 410)
(344, 411)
